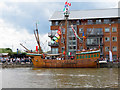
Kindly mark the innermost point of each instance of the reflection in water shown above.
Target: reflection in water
(60, 78)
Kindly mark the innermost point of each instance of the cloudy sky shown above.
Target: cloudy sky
(18, 18)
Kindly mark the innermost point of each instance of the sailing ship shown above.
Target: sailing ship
(82, 59)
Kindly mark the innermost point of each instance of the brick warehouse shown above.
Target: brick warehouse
(101, 27)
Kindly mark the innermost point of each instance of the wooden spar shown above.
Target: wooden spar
(37, 39)
(25, 47)
(40, 51)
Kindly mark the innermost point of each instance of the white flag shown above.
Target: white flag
(110, 56)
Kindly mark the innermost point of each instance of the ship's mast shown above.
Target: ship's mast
(66, 15)
(37, 39)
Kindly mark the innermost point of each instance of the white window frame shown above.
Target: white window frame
(114, 48)
(107, 30)
(114, 28)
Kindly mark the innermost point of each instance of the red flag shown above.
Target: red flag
(69, 4)
(59, 31)
(37, 48)
(64, 52)
(65, 3)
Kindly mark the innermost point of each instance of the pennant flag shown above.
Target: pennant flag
(37, 48)
(64, 9)
(59, 31)
(83, 36)
(75, 33)
(54, 38)
(69, 4)
(66, 3)
(57, 36)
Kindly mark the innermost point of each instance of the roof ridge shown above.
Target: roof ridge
(92, 9)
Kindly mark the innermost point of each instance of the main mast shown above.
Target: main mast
(66, 15)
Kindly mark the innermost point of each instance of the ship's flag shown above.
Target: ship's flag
(75, 33)
(57, 36)
(36, 48)
(66, 3)
(69, 53)
(66, 6)
(64, 52)
(110, 56)
(54, 38)
(83, 36)
(59, 31)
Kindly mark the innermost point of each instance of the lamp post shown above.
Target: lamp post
(110, 37)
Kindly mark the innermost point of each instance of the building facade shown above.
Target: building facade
(101, 28)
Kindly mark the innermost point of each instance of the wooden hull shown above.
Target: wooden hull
(43, 63)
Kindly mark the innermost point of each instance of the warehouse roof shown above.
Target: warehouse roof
(88, 14)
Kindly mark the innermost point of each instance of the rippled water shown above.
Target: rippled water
(60, 78)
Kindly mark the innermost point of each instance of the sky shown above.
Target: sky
(18, 18)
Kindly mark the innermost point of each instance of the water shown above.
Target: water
(60, 78)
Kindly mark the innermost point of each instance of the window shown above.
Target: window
(54, 50)
(94, 55)
(114, 29)
(90, 22)
(83, 56)
(91, 56)
(74, 47)
(77, 57)
(107, 39)
(53, 32)
(62, 49)
(98, 21)
(77, 22)
(106, 49)
(107, 29)
(106, 21)
(114, 38)
(80, 30)
(97, 55)
(80, 57)
(88, 56)
(114, 48)
(56, 23)
(118, 20)
(114, 57)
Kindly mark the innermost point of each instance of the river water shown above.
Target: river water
(59, 78)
